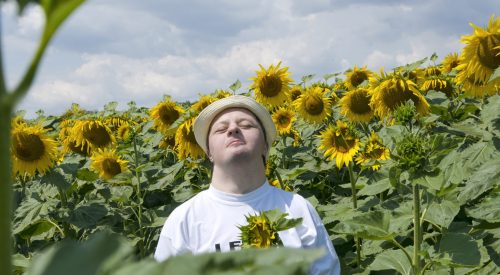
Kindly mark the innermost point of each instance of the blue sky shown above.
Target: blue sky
(125, 50)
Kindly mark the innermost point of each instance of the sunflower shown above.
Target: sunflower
(220, 94)
(123, 131)
(296, 138)
(115, 122)
(71, 145)
(438, 84)
(416, 76)
(477, 89)
(271, 86)
(450, 62)
(185, 142)
(481, 56)
(356, 76)
(17, 121)
(355, 105)
(295, 92)
(167, 142)
(74, 112)
(107, 163)
(394, 90)
(164, 115)
(283, 119)
(313, 106)
(91, 134)
(284, 186)
(327, 91)
(32, 150)
(339, 142)
(432, 71)
(203, 102)
(258, 233)
(373, 149)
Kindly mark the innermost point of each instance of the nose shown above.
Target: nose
(233, 129)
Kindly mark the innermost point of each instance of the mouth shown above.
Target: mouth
(235, 142)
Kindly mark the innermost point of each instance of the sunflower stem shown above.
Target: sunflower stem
(417, 234)
(355, 205)
(6, 186)
(283, 155)
(3, 86)
(139, 197)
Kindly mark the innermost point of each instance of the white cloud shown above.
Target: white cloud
(378, 59)
(133, 50)
(32, 21)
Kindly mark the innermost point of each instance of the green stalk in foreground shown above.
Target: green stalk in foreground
(355, 205)
(56, 12)
(5, 189)
(417, 234)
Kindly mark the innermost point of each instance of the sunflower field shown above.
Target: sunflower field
(403, 166)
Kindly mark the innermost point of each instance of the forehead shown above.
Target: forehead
(234, 113)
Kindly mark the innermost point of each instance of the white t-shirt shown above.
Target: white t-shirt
(209, 222)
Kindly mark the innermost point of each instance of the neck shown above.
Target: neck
(238, 179)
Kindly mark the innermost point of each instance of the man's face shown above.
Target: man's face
(235, 135)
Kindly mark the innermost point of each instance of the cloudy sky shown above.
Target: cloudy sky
(126, 50)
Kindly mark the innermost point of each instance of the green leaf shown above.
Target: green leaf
(375, 188)
(235, 86)
(434, 57)
(495, 75)
(101, 254)
(121, 193)
(307, 78)
(20, 263)
(489, 112)
(442, 213)
(87, 216)
(434, 181)
(56, 11)
(392, 260)
(111, 106)
(488, 209)
(169, 178)
(484, 178)
(30, 211)
(56, 177)
(462, 248)
(37, 228)
(271, 261)
(340, 211)
(86, 175)
(372, 225)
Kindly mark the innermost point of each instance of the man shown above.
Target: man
(236, 133)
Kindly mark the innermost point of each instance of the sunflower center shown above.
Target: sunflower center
(111, 167)
(82, 150)
(284, 120)
(314, 104)
(28, 147)
(376, 153)
(360, 103)
(271, 85)
(395, 95)
(168, 115)
(488, 56)
(97, 135)
(358, 78)
(343, 144)
(294, 94)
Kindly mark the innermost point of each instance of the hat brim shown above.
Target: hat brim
(204, 120)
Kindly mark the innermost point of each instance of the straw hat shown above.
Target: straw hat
(204, 120)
